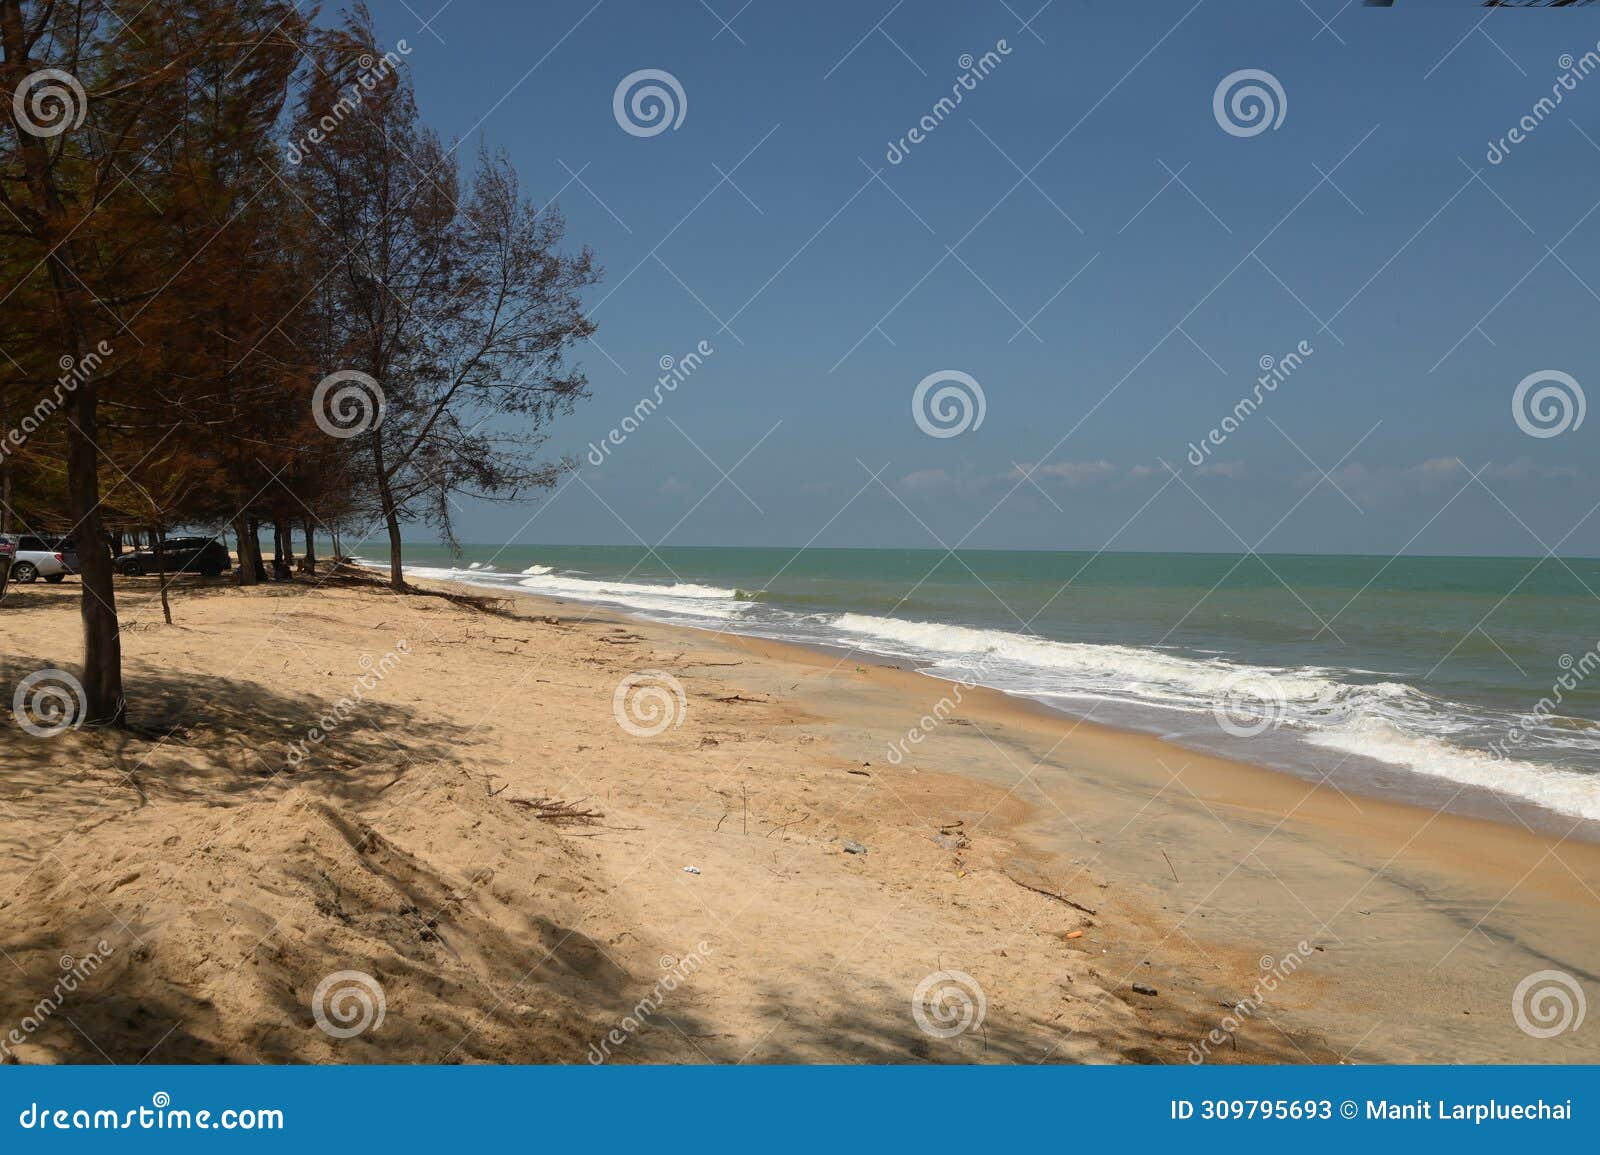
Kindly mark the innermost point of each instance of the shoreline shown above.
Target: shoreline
(1380, 847)
(1065, 868)
(1399, 785)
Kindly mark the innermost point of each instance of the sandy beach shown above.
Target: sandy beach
(324, 777)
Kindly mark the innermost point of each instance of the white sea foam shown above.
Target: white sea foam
(1132, 667)
(678, 598)
(1387, 721)
(1564, 791)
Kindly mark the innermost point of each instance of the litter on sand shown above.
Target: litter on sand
(691, 870)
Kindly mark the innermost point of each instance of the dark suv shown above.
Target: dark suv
(202, 555)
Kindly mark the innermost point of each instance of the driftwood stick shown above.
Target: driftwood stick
(788, 824)
(1052, 894)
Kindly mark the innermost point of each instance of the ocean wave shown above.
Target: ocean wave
(678, 598)
(1388, 721)
(1564, 791)
(1137, 668)
(1367, 714)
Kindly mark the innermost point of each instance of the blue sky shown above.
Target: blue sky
(1082, 238)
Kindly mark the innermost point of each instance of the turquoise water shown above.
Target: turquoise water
(1417, 676)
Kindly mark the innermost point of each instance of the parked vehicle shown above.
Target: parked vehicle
(202, 555)
(36, 556)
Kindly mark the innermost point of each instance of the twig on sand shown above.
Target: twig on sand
(1170, 867)
(786, 825)
(1051, 894)
(559, 812)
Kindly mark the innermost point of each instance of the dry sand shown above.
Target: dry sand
(229, 864)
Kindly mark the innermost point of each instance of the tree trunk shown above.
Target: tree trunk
(391, 516)
(159, 538)
(282, 551)
(246, 573)
(102, 638)
(102, 641)
(255, 548)
(309, 563)
(5, 473)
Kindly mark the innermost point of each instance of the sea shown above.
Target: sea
(1469, 684)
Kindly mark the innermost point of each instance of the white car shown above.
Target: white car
(38, 557)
